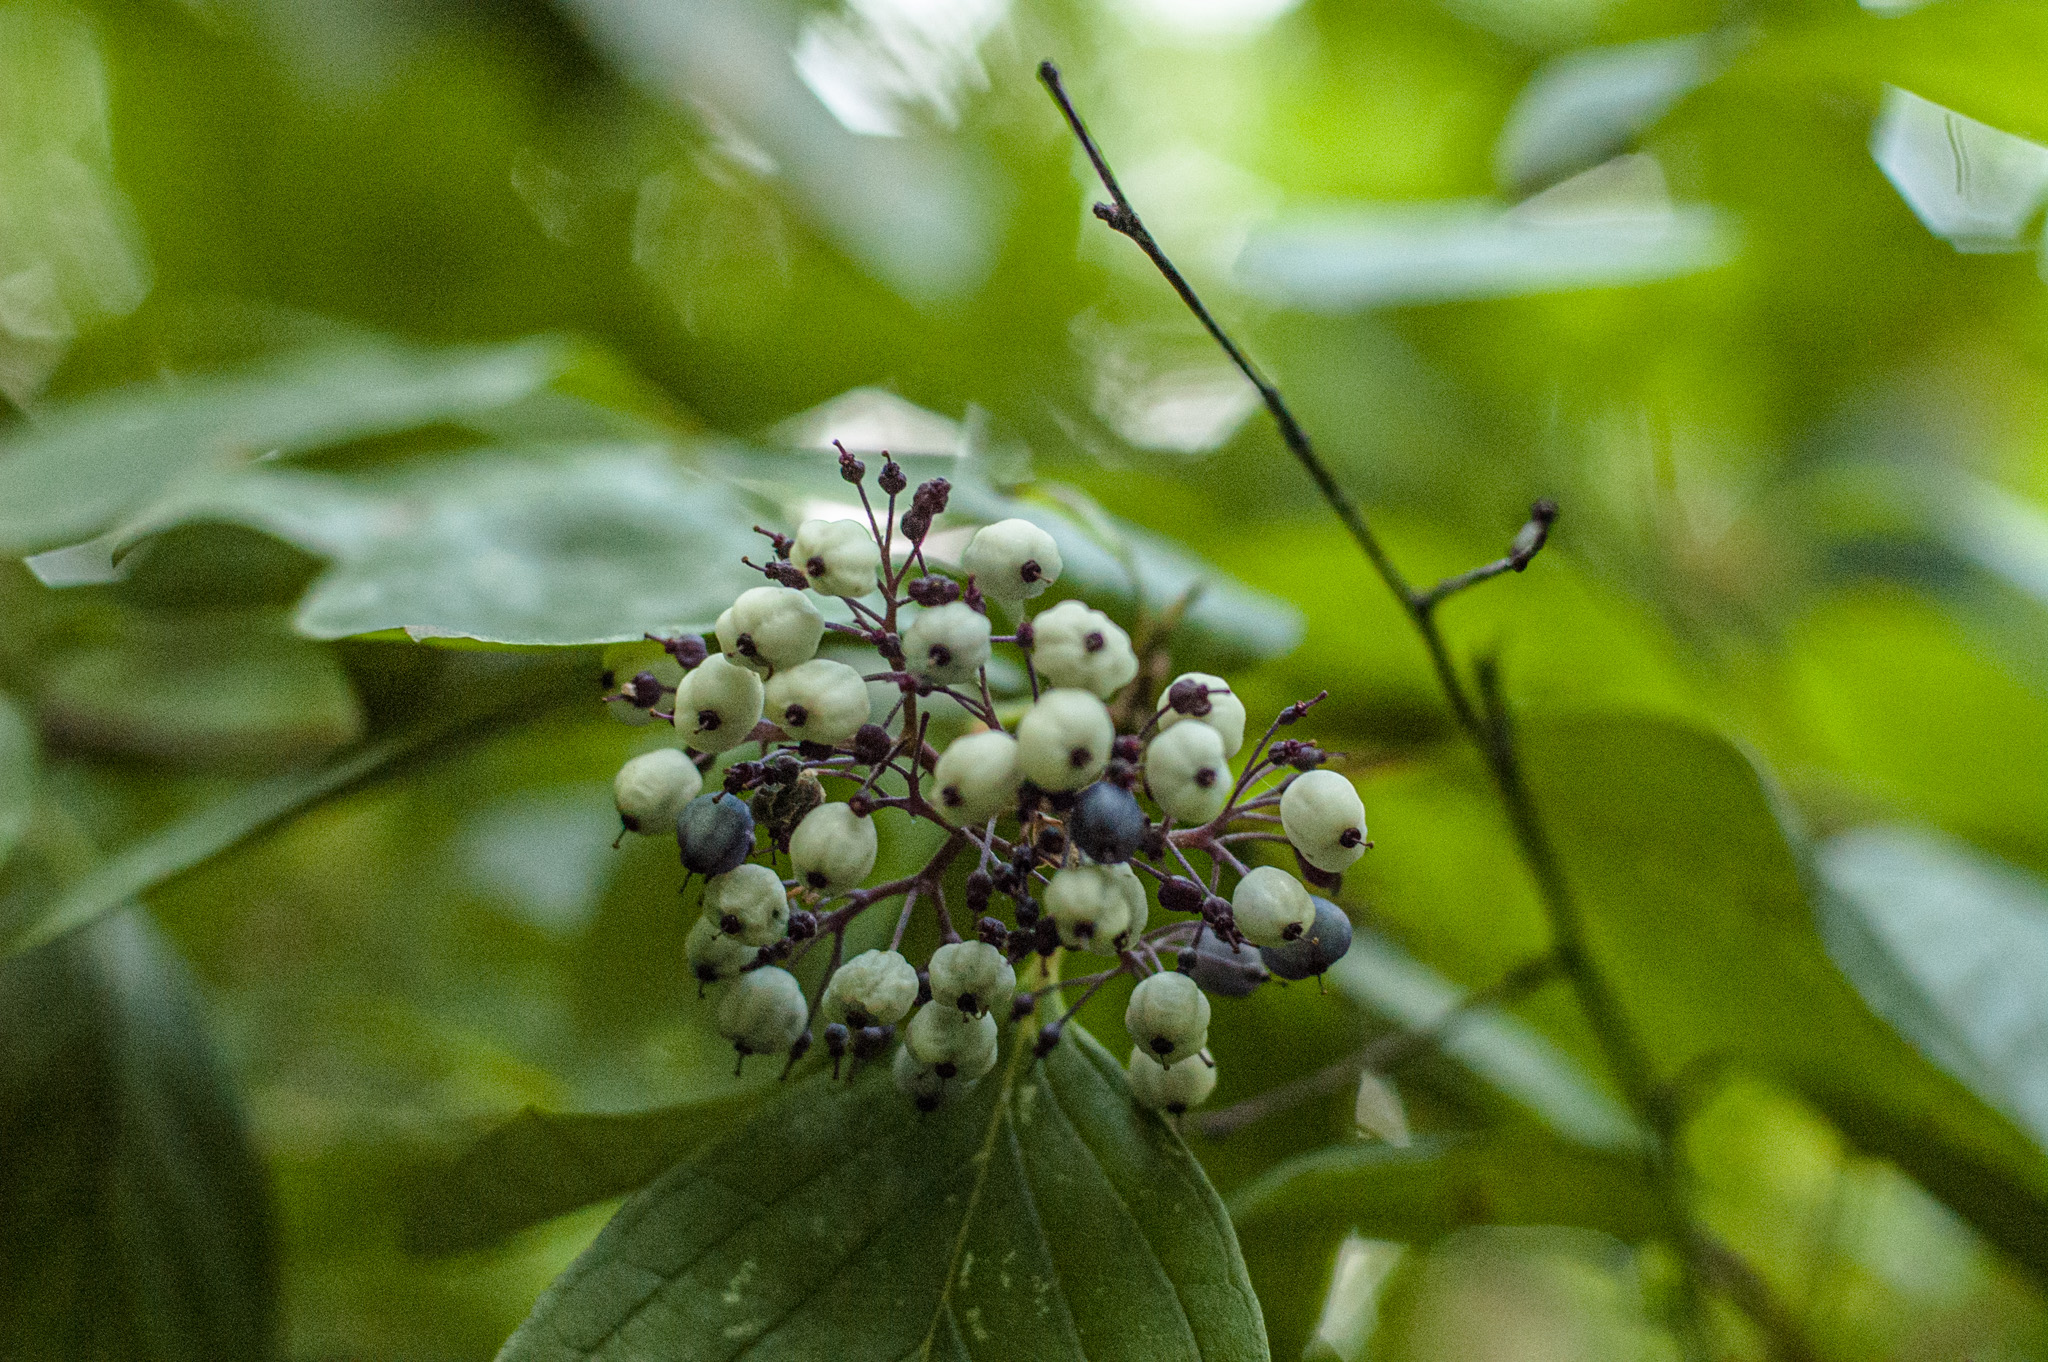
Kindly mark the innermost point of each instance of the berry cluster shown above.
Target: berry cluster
(1049, 796)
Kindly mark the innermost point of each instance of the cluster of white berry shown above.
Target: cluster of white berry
(1048, 805)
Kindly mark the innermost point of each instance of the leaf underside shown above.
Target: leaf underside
(1041, 1216)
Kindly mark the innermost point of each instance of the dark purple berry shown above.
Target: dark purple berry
(1107, 824)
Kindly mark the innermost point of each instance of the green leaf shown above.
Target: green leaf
(1041, 1216)
(1588, 105)
(82, 468)
(1519, 1175)
(1504, 1051)
(1696, 911)
(540, 1165)
(530, 547)
(212, 829)
(1382, 255)
(17, 776)
(138, 1221)
(219, 689)
(1950, 946)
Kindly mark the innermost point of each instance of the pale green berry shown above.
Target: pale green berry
(1074, 646)
(1012, 560)
(719, 704)
(833, 849)
(921, 1083)
(875, 988)
(713, 954)
(839, 557)
(1271, 906)
(1226, 711)
(1187, 773)
(748, 902)
(956, 1044)
(763, 1012)
(1063, 740)
(972, 976)
(770, 627)
(947, 643)
(1168, 1017)
(977, 777)
(651, 789)
(1176, 1088)
(1094, 906)
(1325, 819)
(819, 701)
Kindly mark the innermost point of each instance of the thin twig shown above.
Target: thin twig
(1383, 1052)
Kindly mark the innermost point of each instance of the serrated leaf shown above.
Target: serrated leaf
(1697, 912)
(1041, 1216)
(138, 1223)
(17, 776)
(81, 468)
(540, 1165)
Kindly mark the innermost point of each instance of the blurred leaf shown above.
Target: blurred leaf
(1974, 186)
(138, 1221)
(1502, 1050)
(17, 776)
(1696, 910)
(1586, 106)
(1039, 1216)
(208, 831)
(1951, 947)
(1351, 260)
(77, 469)
(215, 690)
(71, 252)
(540, 1165)
(1518, 1175)
(528, 547)
(1378, 1111)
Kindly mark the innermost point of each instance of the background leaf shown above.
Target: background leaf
(540, 1165)
(1696, 909)
(17, 776)
(137, 1214)
(1042, 1215)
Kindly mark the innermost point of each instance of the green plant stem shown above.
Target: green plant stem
(1490, 732)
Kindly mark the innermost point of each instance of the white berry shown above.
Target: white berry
(977, 777)
(1072, 645)
(921, 1083)
(956, 1044)
(651, 789)
(819, 701)
(1271, 906)
(972, 976)
(715, 955)
(1168, 1017)
(1226, 711)
(748, 902)
(833, 849)
(770, 627)
(1176, 1088)
(1063, 740)
(1012, 560)
(763, 1012)
(947, 643)
(1094, 906)
(1188, 773)
(1324, 818)
(875, 988)
(838, 556)
(718, 705)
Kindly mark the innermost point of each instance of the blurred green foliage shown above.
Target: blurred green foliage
(358, 349)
